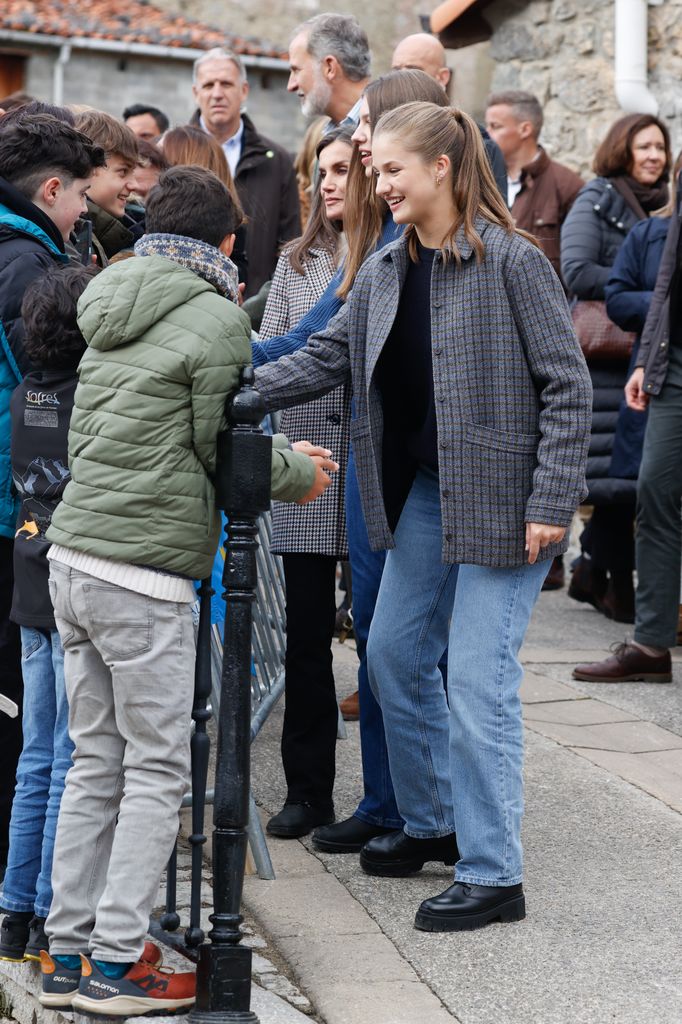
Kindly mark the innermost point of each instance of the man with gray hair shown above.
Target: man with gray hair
(329, 60)
(262, 170)
(540, 192)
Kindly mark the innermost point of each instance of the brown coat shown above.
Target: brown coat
(547, 193)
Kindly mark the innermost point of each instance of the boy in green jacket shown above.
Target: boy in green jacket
(137, 523)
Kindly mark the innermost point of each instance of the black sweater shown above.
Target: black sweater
(404, 377)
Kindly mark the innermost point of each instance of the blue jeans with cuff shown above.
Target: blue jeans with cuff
(42, 768)
(457, 768)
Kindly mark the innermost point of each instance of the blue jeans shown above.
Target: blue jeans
(41, 771)
(378, 806)
(456, 768)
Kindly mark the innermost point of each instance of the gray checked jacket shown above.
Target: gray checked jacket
(318, 528)
(513, 395)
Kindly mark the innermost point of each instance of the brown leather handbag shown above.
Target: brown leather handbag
(600, 339)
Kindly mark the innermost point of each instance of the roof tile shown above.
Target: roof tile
(140, 23)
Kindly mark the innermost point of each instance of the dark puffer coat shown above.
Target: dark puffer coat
(593, 232)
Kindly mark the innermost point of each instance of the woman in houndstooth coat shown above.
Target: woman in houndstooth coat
(312, 538)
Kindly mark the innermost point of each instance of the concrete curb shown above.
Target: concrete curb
(351, 972)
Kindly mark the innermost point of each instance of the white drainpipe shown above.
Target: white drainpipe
(58, 74)
(631, 86)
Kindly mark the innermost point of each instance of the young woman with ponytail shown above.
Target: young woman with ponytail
(473, 408)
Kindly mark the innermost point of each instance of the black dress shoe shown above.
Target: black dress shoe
(397, 854)
(298, 819)
(347, 836)
(463, 907)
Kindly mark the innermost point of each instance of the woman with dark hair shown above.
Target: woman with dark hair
(632, 165)
(311, 544)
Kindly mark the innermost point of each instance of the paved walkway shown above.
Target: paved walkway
(602, 835)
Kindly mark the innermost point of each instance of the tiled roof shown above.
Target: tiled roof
(135, 21)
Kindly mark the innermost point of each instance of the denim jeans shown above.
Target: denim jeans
(129, 669)
(41, 771)
(378, 806)
(456, 768)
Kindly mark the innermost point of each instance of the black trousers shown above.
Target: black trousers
(609, 538)
(311, 712)
(12, 686)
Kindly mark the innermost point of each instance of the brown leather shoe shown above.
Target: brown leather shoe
(627, 664)
(554, 580)
(350, 707)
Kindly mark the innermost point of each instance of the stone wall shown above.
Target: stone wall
(562, 50)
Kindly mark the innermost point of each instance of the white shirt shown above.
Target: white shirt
(513, 189)
(232, 148)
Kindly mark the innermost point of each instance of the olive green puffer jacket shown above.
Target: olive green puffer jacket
(164, 352)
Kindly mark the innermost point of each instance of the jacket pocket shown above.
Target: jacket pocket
(500, 440)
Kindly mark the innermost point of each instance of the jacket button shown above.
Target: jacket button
(663, 344)
(437, 351)
(619, 224)
(442, 444)
(448, 536)
(445, 493)
(441, 397)
(437, 305)
(334, 418)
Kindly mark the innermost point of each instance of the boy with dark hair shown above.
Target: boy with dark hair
(112, 229)
(40, 413)
(136, 525)
(45, 171)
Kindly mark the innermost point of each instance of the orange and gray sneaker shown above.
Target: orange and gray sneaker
(143, 989)
(60, 983)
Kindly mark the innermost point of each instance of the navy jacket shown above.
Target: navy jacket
(630, 286)
(628, 293)
(29, 245)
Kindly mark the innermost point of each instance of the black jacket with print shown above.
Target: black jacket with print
(40, 409)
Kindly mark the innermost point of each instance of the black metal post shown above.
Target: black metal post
(200, 746)
(242, 491)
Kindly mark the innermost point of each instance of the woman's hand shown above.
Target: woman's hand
(539, 535)
(322, 480)
(635, 396)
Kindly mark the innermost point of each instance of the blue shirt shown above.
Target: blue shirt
(232, 148)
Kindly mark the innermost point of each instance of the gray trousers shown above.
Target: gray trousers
(129, 671)
(658, 541)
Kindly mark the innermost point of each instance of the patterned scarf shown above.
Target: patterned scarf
(199, 257)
